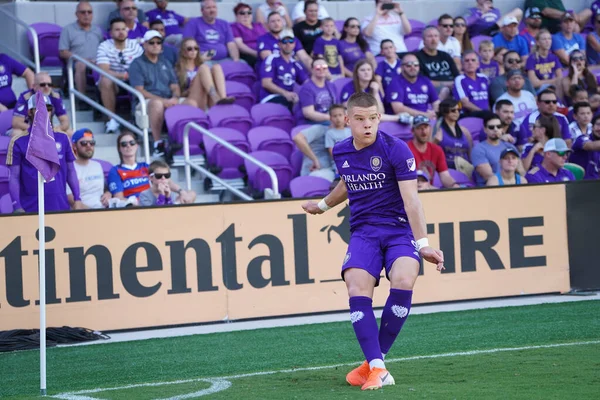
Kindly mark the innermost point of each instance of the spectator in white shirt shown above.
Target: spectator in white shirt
(523, 101)
(388, 22)
(266, 8)
(582, 112)
(298, 12)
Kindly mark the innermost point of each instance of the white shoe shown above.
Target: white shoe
(112, 126)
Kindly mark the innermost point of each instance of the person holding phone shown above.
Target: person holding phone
(388, 22)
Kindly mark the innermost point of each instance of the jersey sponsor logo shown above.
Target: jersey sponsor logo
(376, 163)
(345, 164)
(411, 164)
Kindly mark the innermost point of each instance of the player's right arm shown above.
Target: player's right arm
(338, 195)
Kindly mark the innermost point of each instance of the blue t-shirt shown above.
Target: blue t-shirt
(560, 42)
(518, 44)
(130, 181)
(486, 153)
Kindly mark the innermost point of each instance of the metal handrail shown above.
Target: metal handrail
(36, 47)
(74, 92)
(229, 146)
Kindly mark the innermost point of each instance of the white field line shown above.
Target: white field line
(80, 395)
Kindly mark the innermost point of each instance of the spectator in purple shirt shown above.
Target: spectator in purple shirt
(316, 96)
(543, 67)
(487, 65)
(173, 21)
(363, 80)
(212, 34)
(552, 168)
(8, 68)
(471, 88)
(484, 19)
(129, 12)
(389, 68)
(353, 46)
(544, 129)
(269, 42)
(586, 151)
(455, 140)
(246, 33)
(327, 45)
(162, 189)
(547, 105)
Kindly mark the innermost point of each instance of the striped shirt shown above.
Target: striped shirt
(118, 60)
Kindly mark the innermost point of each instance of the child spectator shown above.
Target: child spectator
(326, 46)
(160, 192)
(586, 151)
(582, 112)
(488, 66)
(338, 130)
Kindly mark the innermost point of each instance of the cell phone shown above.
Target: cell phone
(211, 53)
(388, 6)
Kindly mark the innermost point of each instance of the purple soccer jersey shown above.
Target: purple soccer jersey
(213, 36)
(490, 70)
(8, 68)
(588, 160)
(529, 121)
(137, 32)
(418, 95)
(347, 91)
(172, 20)
(476, 90)
(388, 72)
(271, 43)
(351, 53)
(312, 95)
(544, 67)
(55, 99)
(283, 73)
(328, 49)
(541, 175)
(454, 147)
(478, 22)
(538, 157)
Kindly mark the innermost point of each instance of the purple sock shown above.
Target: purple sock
(365, 326)
(394, 314)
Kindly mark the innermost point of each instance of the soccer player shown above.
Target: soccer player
(379, 178)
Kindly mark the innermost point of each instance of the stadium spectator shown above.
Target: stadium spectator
(298, 11)
(582, 112)
(533, 23)
(386, 23)
(116, 13)
(423, 181)
(23, 181)
(8, 68)
(509, 38)
(161, 189)
(246, 33)
(212, 34)
(579, 76)
(592, 42)
(484, 19)
(270, 6)
(554, 10)
(411, 92)
(552, 168)
(90, 175)
(41, 82)
(129, 178)
(544, 129)
(172, 21)
(580, 95)
(523, 101)
(543, 67)
(316, 95)
(82, 39)
(353, 46)
(455, 141)
(327, 47)
(154, 76)
(488, 66)
(486, 155)
(269, 42)
(310, 29)
(429, 156)
(498, 84)
(114, 56)
(390, 67)
(317, 160)
(202, 85)
(567, 40)
(510, 131)
(471, 88)
(169, 52)
(129, 12)
(507, 173)
(279, 72)
(363, 79)
(462, 34)
(337, 130)
(586, 151)
(436, 65)
(499, 53)
(547, 105)
(447, 41)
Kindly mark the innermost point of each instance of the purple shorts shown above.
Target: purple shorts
(373, 248)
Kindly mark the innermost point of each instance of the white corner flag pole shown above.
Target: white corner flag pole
(42, 266)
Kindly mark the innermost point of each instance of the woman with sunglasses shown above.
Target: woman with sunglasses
(353, 47)
(363, 79)
(203, 86)
(160, 192)
(579, 75)
(455, 140)
(543, 67)
(544, 129)
(462, 35)
(316, 95)
(246, 33)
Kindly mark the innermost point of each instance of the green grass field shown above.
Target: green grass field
(512, 355)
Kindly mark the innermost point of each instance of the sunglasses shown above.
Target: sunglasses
(128, 143)
(411, 64)
(45, 84)
(459, 25)
(562, 153)
(513, 60)
(192, 48)
(87, 143)
(320, 67)
(129, 8)
(550, 101)
(155, 42)
(353, 26)
(447, 26)
(85, 12)
(577, 58)
(245, 13)
(160, 176)
(287, 41)
(494, 127)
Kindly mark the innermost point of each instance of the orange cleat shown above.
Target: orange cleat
(358, 376)
(378, 377)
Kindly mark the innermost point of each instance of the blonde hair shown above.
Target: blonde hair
(486, 44)
(180, 69)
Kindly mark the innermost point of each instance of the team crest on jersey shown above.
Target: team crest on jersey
(424, 88)
(58, 147)
(376, 163)
(399, 70)
(394, 96)
(410, 163)
(2, 69)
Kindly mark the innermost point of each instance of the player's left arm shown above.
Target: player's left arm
(338, 195)
(416, 218)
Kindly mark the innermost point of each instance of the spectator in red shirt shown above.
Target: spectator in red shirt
(429, 156)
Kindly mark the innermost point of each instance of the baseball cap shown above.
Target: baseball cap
(420, 120)
(151, 34)
(509, 21)
(31, 102)
(556, 144)
(422, 174)
(532, 11)
(568, 15)
(82, 133)
(509, 150)
(514, 72)
(286, 33)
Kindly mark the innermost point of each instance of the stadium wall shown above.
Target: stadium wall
(137, 268)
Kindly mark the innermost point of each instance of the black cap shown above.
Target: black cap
(509, 150)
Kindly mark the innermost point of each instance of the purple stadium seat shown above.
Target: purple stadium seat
(296, 162)
(401, 131)
(458, 176)
(4, 176)
(231, 116)
(474, 125)
(271, 139)
(256, 86)
(379, 59)
(5, 121)
(239, 72)
(177, 117)
(259, 180)
(478, 39)
(412, 42)
(48, 35)
(309, 186)
(339, 24)
(6, 206)
(271, 114)
(4, 142)
(106, 167)
(243, 95)
(219, 156)
(298, 128)
(417, 28)
(339, 85)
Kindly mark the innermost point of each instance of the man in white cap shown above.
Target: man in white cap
(552, 168)
(509, 38)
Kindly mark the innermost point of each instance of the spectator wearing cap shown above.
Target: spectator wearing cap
(424, 181)
(448, 42)
(269, 42)
(280, 72)
(161, 190)
(41, 83)
(583, 115)
(547, 103)
(485, 19)
(246, 33)
(82, 39)
(116, 13)
(507, 172)
(386, 23)
(129, 13)
(168, 50)
(23, 182)
(172, 21)
(429, 156)
(544, 129)
(8, 68)
(567, 40)
(310, 29)
(586, 151)
(298, 11)
(114, 57)
(455, 141)
(511, 60)
(212, 34)
(509, 38)
(486, 155)
(471, 88)
(523, 101)
(436, 65)
(533, 23)
(316, 96)
(90, 175)
(552, 168)
(511, 133)
(554, 10)
(592, 40)
(544, 69)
